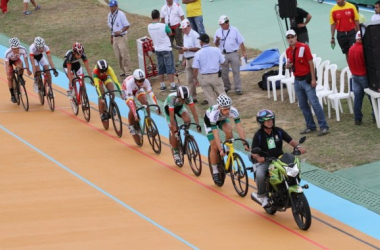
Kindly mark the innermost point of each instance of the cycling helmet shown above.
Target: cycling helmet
(224, 101)
(139, 75)
(265, 115)
(78, 48)
(14, 42)
(102, 65)
(183, 92)
(39, 42)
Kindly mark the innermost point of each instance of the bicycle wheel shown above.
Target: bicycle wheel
(239, 176)
(138, 137)
(50, 97)
(193, 155)
(116, 119)
(85, 105)
(221, 168)
(16, 90)
(106, 123)
(23, 95)
(41, 90)
(153, 135)
(180, 152)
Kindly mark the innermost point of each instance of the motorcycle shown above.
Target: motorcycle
(283, 186)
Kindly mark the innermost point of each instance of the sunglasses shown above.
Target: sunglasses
(290, 37)
(140, 81)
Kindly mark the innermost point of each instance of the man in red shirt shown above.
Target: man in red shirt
(300, 62)
(344, 19)
(357, 66)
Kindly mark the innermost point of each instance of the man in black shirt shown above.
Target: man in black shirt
(298, 24)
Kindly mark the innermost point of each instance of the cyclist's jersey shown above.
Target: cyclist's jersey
(11, 57)
(33, 51)
(98, 77)
(131, 89)
(71, 59)
(214, 116)
(172, 101)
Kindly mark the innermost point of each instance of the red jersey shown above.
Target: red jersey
(301, 58)
(356, 61)
(344, 17)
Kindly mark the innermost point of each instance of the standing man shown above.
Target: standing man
(376, 16)
(344, 19)
(25, 6)
(207, 62)
(194, 15)
(298, 24)
(172, 15)
(229, 39)
(300, 61)
(191, 45)
(118, 23)
(159, 33)
(357, 66)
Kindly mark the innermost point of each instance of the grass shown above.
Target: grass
(62, 23)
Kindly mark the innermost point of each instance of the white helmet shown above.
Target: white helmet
(139, 75)
(39, 42)
(14, 42)
(224, 101)
(183, 92)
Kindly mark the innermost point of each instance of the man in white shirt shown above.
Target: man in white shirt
(191, 45)
(376, 16)
(172, 15)
(159, 33)
(118, 23)
(229, 39)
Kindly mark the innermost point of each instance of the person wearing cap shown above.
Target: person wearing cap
(298, 24)
(206, 63)
(118, 23)
(300, 62)
(159, 33)
(191, 45)
(376, 16)
(229, 40)
(194, 15)
(344, 19)
(172, 14)
(357, 65)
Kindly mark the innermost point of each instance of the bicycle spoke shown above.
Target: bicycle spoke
(85, 105)
(23, 96)
(116, 119)
(153, 135)
(50, 97)
(138, 137)
(194, 155)
(239, 175)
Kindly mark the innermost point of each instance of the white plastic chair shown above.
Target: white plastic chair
(289, 83)
(271, 80)
(321, 68)
(326, 91)
(345, 76)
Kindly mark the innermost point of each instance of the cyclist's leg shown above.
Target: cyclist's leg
(185, 115)
(100, 91)
(10, 81)
(227, 128)
(45, 65)
(141, 96)
(172, 135)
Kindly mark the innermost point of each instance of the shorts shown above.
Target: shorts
(77, 71)
(346, 40)
(11, 63)
(165, 61)
(100, 83)
(42, 61)
(208, 128)
(178, 110)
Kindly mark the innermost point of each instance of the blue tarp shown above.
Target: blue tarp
(267, 59)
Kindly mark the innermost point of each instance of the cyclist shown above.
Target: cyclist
(174, 105)
(37, 58)
(72, 65)
(104, 75)
(217, 116)
(13, 57)
(269, 139)
(133, 86)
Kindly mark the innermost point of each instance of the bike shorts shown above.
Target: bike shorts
(42, 61)
(75, 71)
(99, 85)
(208, 127)
(11, 63)
(178, 110)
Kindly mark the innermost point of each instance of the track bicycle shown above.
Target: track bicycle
(149, 128)
(80, 96)
(189, 147)
(234, 165)
(19, 89)
(45, 88)
(112, 112)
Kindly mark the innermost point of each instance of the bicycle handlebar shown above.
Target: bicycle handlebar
(231, 140)
(110, 92)
(82, 77)
(45, 70)
(149, 105)
(186, 126)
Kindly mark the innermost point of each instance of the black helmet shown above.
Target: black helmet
(265, 115)
(102, 65)
(183, 92)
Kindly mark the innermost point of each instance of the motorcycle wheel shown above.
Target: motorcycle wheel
(270, 210)
(301, 211)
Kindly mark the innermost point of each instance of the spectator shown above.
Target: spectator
(172, 15)
(207, 62)
(191, 45)
(298, 24)
(358, 69)
(376, 16)
(4, 6)
(165, 60)
(229, 39)
(361, 16)
(25, 4)
(345, 20)
(300, 61)
(118, 23)
(194, 15)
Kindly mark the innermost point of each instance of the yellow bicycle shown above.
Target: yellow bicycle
(233, 165)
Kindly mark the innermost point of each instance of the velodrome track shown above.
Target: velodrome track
(68, 184)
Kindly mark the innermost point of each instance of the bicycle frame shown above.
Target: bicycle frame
(144, 122)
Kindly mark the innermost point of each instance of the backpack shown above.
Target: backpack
(263, 83)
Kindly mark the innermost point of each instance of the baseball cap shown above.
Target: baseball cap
(113, 3)
(184, 24)
(204, 38)
(223, 19)
(290, 32)
(358, 35)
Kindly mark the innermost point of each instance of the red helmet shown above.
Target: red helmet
(78, 48)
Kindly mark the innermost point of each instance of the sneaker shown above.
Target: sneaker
(132, 130)
(177, 159)
(227, 89)
(38, 7)
(358, 122)
(163, 88)
(104, 117)
(307, 131)
(13, 99)
(216, 179)
(195, 100)
(323, 131)
(25, 13)
(35, 86)
(264, 201)
(173, 88)
(239, 92)
(205, 102)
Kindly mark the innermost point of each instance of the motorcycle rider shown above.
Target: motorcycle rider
(269, 139)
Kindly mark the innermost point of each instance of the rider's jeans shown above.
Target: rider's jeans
(261, 173)
(358, 86)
